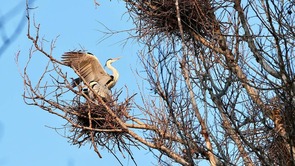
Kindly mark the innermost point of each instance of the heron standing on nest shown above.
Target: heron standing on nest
(89, 67)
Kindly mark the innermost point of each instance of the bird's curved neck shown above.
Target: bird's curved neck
(115, 72)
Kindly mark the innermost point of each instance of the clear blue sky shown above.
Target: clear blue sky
(24, 138)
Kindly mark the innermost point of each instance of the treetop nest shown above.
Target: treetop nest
(154, 17)
(92, 119)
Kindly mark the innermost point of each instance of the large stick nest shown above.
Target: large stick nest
(154, 17)
(97, 117)
(100, 123)
(93, 122)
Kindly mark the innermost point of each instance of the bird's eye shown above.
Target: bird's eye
(89, 53)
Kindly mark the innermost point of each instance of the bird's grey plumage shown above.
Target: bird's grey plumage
(99, 89)
(87, 65)
(89, 68)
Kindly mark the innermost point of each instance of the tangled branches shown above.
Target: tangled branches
(110, 125)
(222, 91)
(218, 58)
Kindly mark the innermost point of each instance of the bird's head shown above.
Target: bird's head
(111, 60)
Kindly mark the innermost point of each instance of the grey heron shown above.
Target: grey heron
(88, 66)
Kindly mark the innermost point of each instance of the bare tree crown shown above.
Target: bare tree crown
(222, 85)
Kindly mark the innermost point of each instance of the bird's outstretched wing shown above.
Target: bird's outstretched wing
(87, 65)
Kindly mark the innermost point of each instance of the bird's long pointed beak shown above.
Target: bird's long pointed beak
(117, 58)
